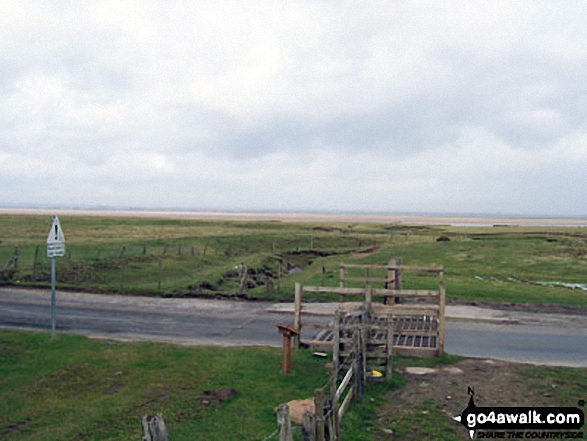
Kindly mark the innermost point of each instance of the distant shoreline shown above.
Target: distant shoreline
(311, 217)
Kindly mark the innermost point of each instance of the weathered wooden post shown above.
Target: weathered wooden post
(334, 420)
(319, 401)
(15, 259)
(284, 423)
(365, 334)
(341, 281)
(154, 428)
(368, 300)
(298, 314)
(243, 272)
(358, 362)
(442, 299)
(397, 275)
(287, 332)
(390, 329)
(338, 317)
(308, 427)
(279, 278)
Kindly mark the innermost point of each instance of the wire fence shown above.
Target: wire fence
(181, 266)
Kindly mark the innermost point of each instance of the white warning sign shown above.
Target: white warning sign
(55, 239)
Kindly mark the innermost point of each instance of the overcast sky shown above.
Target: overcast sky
(392, 106)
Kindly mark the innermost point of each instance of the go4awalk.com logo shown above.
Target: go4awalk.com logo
(522, 422)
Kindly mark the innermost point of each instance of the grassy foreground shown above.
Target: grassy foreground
(75, 388)
(196, 257)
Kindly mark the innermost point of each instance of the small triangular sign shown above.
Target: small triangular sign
(55, 233)
(55, 239)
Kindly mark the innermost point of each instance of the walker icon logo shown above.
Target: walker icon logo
(515, 422)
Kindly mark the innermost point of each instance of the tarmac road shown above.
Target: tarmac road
(477, 332)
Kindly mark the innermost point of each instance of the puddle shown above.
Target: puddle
(580, 286)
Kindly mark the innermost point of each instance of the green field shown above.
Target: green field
(200, 258)
(75, 388)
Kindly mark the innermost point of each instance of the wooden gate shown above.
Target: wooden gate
(418, 315)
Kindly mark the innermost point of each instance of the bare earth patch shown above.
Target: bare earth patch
(423, 408)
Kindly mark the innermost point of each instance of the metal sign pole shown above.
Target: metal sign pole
(55, 248)
(53, 297)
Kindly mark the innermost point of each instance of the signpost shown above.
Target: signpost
(55, 248)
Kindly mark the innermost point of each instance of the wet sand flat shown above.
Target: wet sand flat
(312, 217)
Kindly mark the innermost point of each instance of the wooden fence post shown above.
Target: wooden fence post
(334, 420)
(398, 273)
(358, 385)
(442, 299)
(279, 278)
(15, 259)
(390, 329)
(319, 409)
(338, 317)
(284, 423)
(368, 300)
(365, 334)
(397, 276)
(341, 281)
(154, 428)
(308, 427)
(298, 314)
(243, 273)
